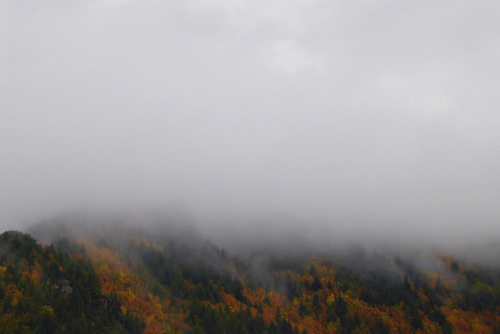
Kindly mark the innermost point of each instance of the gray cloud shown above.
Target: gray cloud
(370, 117)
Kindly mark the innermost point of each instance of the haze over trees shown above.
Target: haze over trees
(251, 166)
(166, 279)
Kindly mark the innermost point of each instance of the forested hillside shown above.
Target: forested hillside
(135, 280)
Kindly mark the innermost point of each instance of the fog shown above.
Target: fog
(355, 119)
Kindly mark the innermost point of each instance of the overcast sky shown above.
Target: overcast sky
(362, 116)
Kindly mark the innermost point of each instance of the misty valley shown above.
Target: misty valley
(63, 277)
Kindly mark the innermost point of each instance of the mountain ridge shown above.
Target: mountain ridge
(171, 279)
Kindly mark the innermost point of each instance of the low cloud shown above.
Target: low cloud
(370, 118)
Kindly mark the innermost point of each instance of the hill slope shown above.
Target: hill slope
(135, 280)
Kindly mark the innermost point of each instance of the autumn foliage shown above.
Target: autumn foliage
(142, 283)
